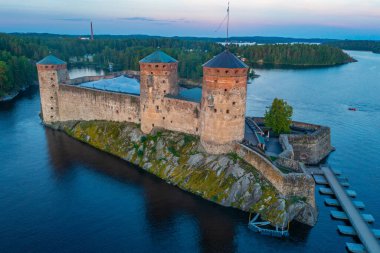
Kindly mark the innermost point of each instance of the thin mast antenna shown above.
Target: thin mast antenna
(228, 21)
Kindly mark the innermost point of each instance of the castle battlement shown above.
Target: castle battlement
(218, 118)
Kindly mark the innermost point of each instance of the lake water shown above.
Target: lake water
(59, 195)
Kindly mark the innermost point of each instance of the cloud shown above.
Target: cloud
(156, 20)
(74, 19)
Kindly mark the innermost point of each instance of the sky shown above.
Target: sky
(341, 19)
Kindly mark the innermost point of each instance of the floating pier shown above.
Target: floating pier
(348, 230)
(328, 191)
(334, 202)
(355, 247)
(343, 216)
(358, 221)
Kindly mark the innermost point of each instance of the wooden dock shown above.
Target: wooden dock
(365, 234)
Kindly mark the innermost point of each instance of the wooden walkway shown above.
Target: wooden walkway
(364, 233)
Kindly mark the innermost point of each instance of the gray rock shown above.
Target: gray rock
(147, 166)
(195, 160)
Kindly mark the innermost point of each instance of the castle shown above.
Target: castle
(219, 118)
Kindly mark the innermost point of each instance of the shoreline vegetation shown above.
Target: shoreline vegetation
(20, 52)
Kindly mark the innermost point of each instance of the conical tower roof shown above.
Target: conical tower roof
(51, 60)
(158, 57)
(226, 60)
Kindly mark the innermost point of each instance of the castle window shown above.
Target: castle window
(149, 65)
(52, 78)
(51, 97)
(152, 125)
(236, 71)
(166, 73)
(215, 110)
(233, 103)
(218, 71)
(117, 111)
(225, 89)
(163, 81)
(196, 129)
(129, 118)
(51, 116)
(157, 107)
(52, 85)
(228, 111)
(164, 66)
(226, 71)
(164, 91)
(46, 67)
(171, 121)
(163, 118)
(237, 81)
(151, 73)
(51, 108)
(215, 81)
(156, 66)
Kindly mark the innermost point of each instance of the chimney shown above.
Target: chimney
(92, 32)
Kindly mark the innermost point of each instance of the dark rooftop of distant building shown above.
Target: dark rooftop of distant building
(51, 60)
(226, 60)
(158, 57)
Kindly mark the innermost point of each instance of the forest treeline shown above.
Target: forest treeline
(359, 45)
(19, 53)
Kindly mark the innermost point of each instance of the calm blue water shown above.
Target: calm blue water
(59, 195)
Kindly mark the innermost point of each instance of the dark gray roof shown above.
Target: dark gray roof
(51, 60)
(158, 57)
(226, 60)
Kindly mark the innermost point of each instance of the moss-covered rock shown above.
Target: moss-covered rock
(178, 159)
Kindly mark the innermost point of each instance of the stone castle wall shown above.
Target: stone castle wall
(49, 77)
(224, 94)
(156, 81)
(79, 103)
(180, 115)
(311, 148)
(297, 184)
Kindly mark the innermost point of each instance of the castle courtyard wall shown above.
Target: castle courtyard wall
(79, 103)
(292, 184)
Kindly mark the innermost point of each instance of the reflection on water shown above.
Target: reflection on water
(163, 202)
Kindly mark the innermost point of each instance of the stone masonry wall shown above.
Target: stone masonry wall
(223, 108)
(79, 103)
(49, 77)
(299, 184)
(180, 115)
(156, 81)
(311, 148)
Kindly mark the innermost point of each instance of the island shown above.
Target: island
(206, 146)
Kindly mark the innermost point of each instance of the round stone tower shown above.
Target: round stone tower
(158, 77)
(223, 102)
(51, 72)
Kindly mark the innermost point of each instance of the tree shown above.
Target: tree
(3, 76)
(279, 116)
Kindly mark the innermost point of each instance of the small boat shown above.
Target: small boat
(352, 109)
(265, 228)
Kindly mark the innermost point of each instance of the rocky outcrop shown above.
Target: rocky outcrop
(179, 159)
